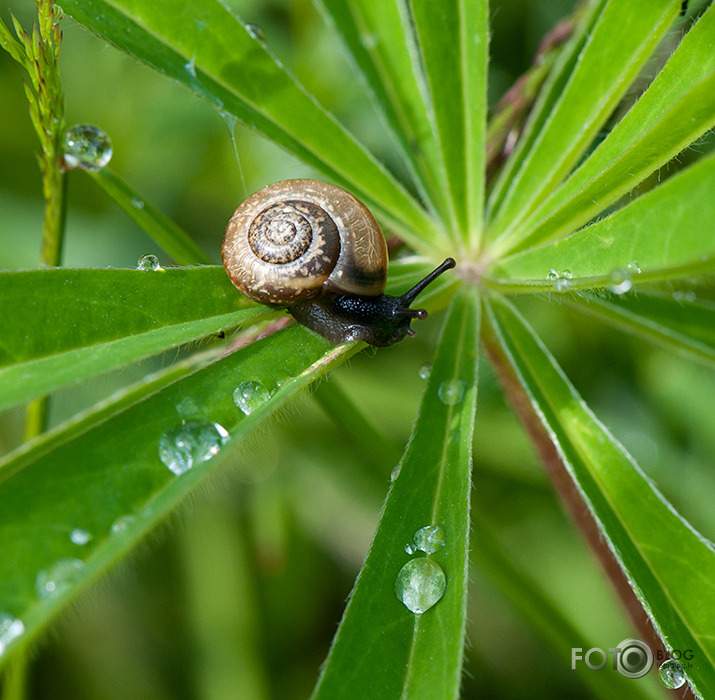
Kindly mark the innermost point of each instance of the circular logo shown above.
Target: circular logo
(634, 658)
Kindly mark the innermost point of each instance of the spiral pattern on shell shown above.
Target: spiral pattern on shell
(290, 240)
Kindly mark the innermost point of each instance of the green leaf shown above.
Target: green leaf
(401, 653)
(620, 42)
(670, 566)
(665, 233)
(474, 25)
(14, 47)
(677, 108)
(202, 45)
(90, 321)
(452, 40)
(161, 229)
(387, 34)
(560, 69)
(108, 480)
(676, 321)
(361, 47)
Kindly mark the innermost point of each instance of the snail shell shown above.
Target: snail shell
(296, 239)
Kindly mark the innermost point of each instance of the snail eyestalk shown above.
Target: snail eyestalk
(411, 295)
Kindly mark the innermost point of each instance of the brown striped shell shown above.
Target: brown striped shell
(291, 240)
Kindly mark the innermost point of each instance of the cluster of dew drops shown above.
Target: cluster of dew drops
(620, 279)
(421, 582)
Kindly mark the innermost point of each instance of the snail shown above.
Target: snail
(316, 250)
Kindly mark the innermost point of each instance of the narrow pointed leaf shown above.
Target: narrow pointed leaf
(676, 110)
(452, 40)
(360, 47)
(474, 25)
(665, 233)
(95, 320)
(438, 36)
(117, 488)
(387, 33)
(202, 45)
(174, 240)
(622, 39)
(668, 564)
(402, 653)
(581, 22)
(676, 321)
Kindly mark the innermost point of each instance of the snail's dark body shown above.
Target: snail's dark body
(317, 250)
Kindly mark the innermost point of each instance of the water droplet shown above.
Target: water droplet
(257, 33)
(425, 370)
(149, 263)
(189, 443)
(248, 396)
(191, 66)
(552, 275)
(621, 281)
(430, 539)
(58, 578)
(396, 471)
(633, 268)
(420, 584)
(410, 548)
(369, 41)
(452, 392)
(10, 628)
(672, 674)
(88, 147)
(684, 296)
(137, 203)
(562, 284)
(187, 407)
(566, 274)
(122, 523)
(80, 537)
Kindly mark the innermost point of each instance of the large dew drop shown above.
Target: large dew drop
(58, 578)
(88, 147)
(10, 628)
(452, 392)
(248, 396)
(189, 443)
(671, 674)
(420, 584)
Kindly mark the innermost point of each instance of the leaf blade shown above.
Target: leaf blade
(669, 565)
(96, 320)
(397, 643)
(118, 488)
(202, 45)
(160, 228)
(679, 323)
(622, 38)
(676, 109)
(662, 234)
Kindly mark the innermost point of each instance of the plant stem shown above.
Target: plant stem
(38, 54)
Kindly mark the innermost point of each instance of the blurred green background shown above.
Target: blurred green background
(239, 596)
